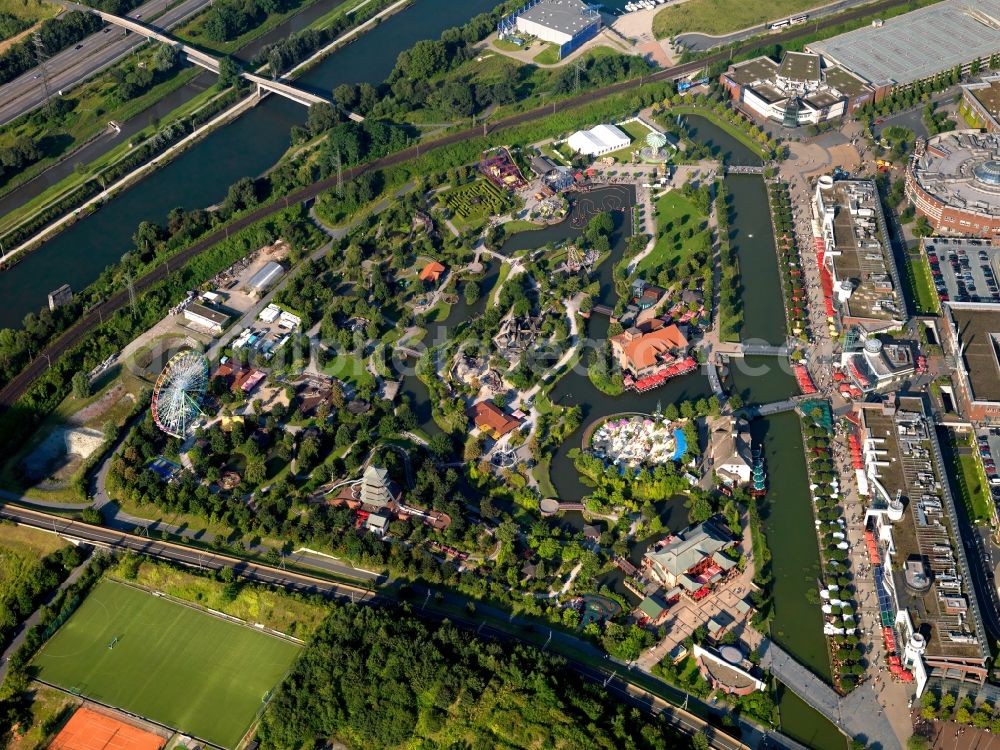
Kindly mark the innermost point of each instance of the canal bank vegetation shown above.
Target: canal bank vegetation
(284, 54)
(478, 698)
(66, 123)
(31, 217)
(719, 112)
(789, 260)
(730, 284)
(227, 25)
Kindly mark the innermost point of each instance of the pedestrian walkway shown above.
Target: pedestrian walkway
(852, 714)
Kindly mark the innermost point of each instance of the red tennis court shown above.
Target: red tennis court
(89, 730)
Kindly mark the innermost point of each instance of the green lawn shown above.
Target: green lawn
(177, 665)
(723, 16)
(348, 368)
(922, 292)
(673, 249)
(973, 489)
(548, 56)
(635, 130)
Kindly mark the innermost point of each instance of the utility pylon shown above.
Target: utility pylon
(42, 58)
(126, 261)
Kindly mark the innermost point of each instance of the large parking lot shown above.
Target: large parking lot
(964, 270)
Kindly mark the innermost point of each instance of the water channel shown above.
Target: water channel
(202, 174)
(108, 140)
(786, 512)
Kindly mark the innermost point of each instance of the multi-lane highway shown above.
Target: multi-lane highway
(88, 322)
(294, 581)
(77, 63)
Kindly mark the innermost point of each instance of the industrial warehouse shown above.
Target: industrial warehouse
(565, 23)
(955, 183)
(918, 45)
(799, 90)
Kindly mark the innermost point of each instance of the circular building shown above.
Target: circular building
(955, 183)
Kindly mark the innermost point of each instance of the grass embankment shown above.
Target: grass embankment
(255, 604)
(67, 185)
(717, 17)
(26, 543)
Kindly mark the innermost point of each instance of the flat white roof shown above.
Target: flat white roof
(568, 16)
(918, 44)
(599, 139)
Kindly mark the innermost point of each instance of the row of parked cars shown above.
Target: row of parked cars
(989, 464)
(961, 266)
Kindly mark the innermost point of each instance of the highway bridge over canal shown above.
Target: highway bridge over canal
(210, 62)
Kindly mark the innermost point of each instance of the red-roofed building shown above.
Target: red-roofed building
(492, 420)
(643, 353)
(432, 272)
(247, 380)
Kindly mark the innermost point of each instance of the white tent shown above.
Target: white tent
(601, 139)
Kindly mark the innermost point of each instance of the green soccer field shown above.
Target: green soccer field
(173, 664)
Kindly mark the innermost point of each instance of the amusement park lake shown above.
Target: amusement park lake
(786, 512)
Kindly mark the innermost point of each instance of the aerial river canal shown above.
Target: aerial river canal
(255, 141)
(786, 512)
(201, 175)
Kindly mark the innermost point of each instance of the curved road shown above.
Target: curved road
(697, 42)
(18, 385)
(293, 581)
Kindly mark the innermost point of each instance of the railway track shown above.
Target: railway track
(344, 592)
(90, 320)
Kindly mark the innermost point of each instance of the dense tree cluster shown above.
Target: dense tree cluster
(26, 581)
(15, 695)
(132, 80)
(56, 34)
(229, 19)
(286, 52)
(11, 25)
(378, 679)
(22, 152)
